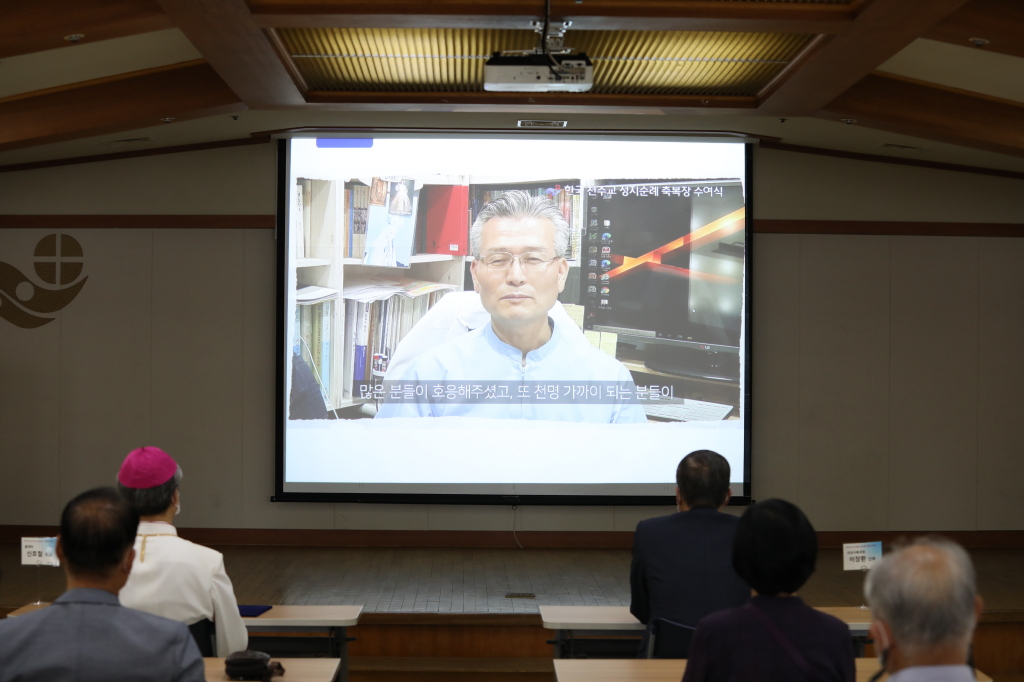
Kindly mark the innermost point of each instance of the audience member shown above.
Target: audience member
(774, 636)
(86, 635)
(925, 606)
(682, 568)
(172, 577)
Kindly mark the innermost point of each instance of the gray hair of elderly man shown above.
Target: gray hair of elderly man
(519, 204)
(926, 592)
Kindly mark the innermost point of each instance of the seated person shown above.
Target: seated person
(925, 606)
(86, 634)
(518, 268)
(173, 577)
(774, 636)
(682, 563)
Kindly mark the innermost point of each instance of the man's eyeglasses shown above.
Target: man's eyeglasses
(529, 261)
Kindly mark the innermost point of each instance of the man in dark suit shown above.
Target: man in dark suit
(682, 563)
(86, 634)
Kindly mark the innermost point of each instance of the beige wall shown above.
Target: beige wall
(885, 368)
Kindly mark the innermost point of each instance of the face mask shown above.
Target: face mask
(882, 656)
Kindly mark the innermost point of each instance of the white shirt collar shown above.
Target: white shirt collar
(156, 528)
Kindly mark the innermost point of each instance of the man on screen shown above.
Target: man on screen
(517, 243)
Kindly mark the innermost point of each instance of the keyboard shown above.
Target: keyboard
(688, 411)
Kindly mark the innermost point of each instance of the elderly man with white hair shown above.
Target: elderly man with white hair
(518, 243)
(925, 606)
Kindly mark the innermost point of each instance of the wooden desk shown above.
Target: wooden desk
(295, 669)
(28, 608)
(611, 620)
(664, 670)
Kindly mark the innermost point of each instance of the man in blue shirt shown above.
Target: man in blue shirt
(517, 242)
(86, 634)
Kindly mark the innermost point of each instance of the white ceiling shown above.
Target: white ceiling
(962, 67)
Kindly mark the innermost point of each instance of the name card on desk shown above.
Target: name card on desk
(39, 552)
(860, 556)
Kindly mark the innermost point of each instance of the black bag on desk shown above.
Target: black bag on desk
(251, 665)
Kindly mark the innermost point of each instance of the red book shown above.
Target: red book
(447, 221)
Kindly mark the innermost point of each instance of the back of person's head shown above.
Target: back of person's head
(148, 478)
(776, 548)
(926, 592)
(703, 479)
(96, 529)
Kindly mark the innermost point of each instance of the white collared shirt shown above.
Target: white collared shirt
(934, 673)
(183, 581)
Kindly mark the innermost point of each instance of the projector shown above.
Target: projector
(538, 73)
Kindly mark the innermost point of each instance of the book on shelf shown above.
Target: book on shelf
(357, 197)
(378, 326)
(446, 221)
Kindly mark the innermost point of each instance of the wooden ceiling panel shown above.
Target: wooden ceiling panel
(126, 102)
(42, 24)
(1001, 22)
(881, 29)
(924, 110)
(770, 16)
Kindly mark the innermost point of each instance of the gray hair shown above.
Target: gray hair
(519, 204)
(155, 500)
(925, 591)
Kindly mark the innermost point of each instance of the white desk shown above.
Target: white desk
(295, 669)
(297, 618)
(665, 670)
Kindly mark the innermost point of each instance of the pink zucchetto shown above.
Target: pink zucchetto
(146, 467)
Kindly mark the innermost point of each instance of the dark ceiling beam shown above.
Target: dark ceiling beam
(1001, 22)
(107, 105)
(38, 25)
(579, 101)
(611, 15)
(880, 30)
(225, 34)
(924, 110)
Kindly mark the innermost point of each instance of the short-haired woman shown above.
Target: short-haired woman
(774, 636)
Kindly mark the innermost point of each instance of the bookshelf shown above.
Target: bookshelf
(322, 255)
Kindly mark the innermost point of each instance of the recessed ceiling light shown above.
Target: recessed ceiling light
(978, 42)
(74, 37)
(168, 119)
(848, 121)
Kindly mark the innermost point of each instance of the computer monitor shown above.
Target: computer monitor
(662, 267)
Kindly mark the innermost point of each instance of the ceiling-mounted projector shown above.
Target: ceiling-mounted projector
(538, 73)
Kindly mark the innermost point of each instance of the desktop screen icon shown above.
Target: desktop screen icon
(604, 277)
(605, 290)
(606, 237)
(592, 263)
(592, 275)
(606, 264)
(604, 301)
(606, 249)
(593, 249)
(591, 290)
